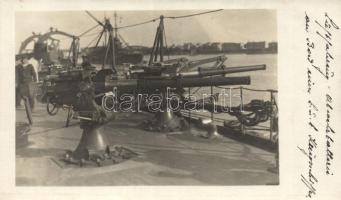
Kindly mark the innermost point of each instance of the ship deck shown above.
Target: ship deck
(180, 158)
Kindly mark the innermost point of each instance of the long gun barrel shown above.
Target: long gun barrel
(201, 72)
(149, 84)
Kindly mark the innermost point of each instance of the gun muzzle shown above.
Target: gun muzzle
(201, 72)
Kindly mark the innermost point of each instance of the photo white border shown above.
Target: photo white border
(291, 86)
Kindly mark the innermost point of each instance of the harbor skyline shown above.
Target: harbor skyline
(258, 25)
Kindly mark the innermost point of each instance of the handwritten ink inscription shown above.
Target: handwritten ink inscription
(320, 70)
(329, 134)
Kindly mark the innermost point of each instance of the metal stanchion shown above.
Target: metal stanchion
(242, 127)
(213, 103)
(189, 112)
(271, 116)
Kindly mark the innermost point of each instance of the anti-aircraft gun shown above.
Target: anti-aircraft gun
(83, 92)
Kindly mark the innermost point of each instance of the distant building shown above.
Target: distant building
(228, 47)
(255, 45)
(142, 49)
(214, 47)
(188, 46)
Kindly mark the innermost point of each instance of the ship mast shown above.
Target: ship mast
(110, 46)
(157, 50)
(115, 28)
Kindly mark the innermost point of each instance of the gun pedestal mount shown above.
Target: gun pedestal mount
(94, 145)
(93, 140)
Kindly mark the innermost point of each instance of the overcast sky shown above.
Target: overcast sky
(222, 26)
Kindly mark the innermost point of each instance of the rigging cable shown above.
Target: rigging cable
(92, 34)
(141, 23)
(94, 18)
(145, 22)
(87, 31)
(169, 17)
(184, 16)
(92, 41)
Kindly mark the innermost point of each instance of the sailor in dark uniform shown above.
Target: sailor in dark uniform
(18, 77)
(27, 81)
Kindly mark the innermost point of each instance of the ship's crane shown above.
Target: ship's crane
(74, 48)
(41, 50)
(33, 38)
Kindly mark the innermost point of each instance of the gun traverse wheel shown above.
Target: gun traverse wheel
(51, 108)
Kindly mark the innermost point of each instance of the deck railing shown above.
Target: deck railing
(273, 131)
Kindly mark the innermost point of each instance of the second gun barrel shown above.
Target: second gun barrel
(213, 72)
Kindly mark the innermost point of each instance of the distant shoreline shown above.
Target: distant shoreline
(146, 51)
(215, 53)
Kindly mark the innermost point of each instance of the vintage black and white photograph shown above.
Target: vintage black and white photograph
(146, 97)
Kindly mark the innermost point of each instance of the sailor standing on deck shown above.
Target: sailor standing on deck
(27, 81)
(18, 75)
